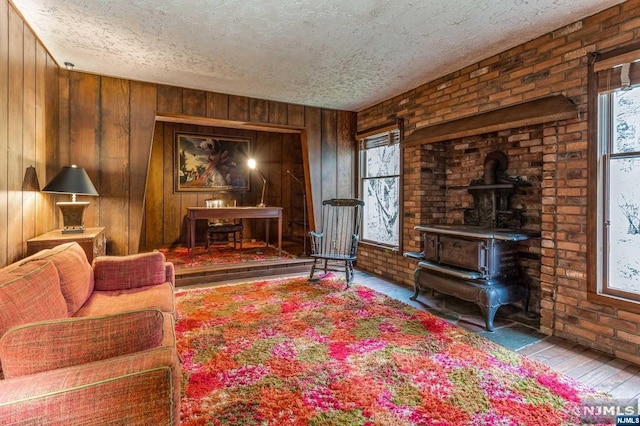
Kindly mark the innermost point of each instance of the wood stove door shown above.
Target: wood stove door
(469, 254)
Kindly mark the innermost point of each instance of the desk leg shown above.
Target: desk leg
(191, 235)
(280, 236)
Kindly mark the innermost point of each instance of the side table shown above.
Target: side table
(93, 241)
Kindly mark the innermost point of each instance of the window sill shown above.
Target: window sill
(393, 249)
(614, 302)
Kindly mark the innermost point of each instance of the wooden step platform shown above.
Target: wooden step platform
(236, 271)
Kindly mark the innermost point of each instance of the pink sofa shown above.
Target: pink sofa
(88, 344)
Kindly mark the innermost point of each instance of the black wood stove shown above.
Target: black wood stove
(477, 261)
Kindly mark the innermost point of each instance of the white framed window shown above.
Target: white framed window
(619, 192)
(614, 192)
(380, 187)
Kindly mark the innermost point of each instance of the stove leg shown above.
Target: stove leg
(489, 313)
(489, 301)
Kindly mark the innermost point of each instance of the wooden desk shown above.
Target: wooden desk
(194, 213)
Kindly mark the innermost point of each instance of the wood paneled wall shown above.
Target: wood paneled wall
(51, 117)
(108, 127)
(28, 133)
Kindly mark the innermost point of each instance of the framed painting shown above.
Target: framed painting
(209, 163)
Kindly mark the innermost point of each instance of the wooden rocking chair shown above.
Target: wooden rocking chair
(335, 246)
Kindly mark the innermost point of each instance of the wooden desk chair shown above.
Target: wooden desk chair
(335, 246)
(223, 226)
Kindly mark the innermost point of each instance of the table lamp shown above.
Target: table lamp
(252, 165)
(72, 180)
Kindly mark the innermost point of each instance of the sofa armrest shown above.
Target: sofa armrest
(170, 273)
(49, 345)
(136, 389)
(114, 273)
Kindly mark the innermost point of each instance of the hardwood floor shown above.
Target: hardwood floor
(618, 377)
(515, 330)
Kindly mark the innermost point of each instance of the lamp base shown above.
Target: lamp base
(261, 205)
(72, 216)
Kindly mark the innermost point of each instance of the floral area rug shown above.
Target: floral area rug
(294, 352)
(222, 254)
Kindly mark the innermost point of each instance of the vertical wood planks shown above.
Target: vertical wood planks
(171, 204)
(278, 113)
(15, 131)
(169, 100)
(43, 221)
(114, 163)
(295, 115)
(194, 104)
(28, 135)
(258, 110)
(84, 138)
(288, 185)
(4, 131)
(312, 147)
(275, 177)
(154, 212)
(329, 151)
(346, 155)
(238, 108)
(52, 117)
(143, 113)
(29, 123)
(217, 105)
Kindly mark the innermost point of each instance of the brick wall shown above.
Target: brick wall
(555, 63)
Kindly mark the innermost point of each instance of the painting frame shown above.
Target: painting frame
(211, 162)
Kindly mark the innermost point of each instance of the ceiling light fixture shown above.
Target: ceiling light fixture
(69, 65)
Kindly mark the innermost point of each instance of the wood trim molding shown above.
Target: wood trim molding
(380, 129)
(617, 60)
(542, 110)
(206, 121)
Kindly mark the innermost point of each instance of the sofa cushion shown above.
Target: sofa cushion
(110, 302)
(76, 275)
(30, 292)
(127, 272)
(42, 346)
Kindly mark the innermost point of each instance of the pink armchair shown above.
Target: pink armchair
(89, 345)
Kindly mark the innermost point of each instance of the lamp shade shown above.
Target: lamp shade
(71, 180)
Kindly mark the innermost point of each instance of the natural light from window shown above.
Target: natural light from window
(380, 193)
(622, 224)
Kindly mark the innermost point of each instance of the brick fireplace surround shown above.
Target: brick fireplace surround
(551, 156)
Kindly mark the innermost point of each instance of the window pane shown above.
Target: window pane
(626, 125)
(381, 210)
(624, 230)
(383, 161)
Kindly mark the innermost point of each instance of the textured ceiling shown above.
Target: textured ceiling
(342, 54)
